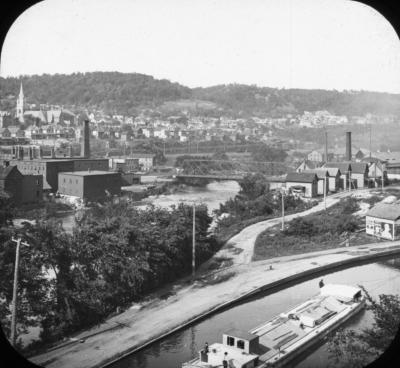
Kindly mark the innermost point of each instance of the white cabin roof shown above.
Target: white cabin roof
(341, 292)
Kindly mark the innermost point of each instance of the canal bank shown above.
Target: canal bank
(137, 328)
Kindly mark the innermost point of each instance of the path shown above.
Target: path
(246, 239)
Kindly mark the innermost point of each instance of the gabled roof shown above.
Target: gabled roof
(387, 211)
(321, 173)
(301, 177)
(333, 171)
(359, 167)
(6, 171)
(342, 166)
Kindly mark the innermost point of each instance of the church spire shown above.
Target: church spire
(20, 105)
(21, 92)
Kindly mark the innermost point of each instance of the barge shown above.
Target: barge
(281, 339)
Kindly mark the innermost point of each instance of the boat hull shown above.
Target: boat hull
(296, 352)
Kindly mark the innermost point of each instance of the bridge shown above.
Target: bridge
(229, 169)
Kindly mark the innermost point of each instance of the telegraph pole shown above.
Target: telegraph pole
(325, 193)
(194, 242)
(15, 289)
(283, 210)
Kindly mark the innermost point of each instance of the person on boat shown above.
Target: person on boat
(321, 283)
(225, 361)
(206, 348)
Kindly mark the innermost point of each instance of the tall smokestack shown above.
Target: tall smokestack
(326, 146)
(348, 146)
(85, 151)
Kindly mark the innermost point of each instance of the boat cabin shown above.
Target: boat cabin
(240, 339)
(238, 348)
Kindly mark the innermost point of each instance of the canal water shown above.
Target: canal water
(171, 352)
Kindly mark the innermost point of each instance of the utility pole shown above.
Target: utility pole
(325, 193)
(194, 242)
(349, 180)
(15, 289)
(283, 210)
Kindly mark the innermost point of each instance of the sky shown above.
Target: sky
(327, 44)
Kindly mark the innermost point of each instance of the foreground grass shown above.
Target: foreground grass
(327, 230)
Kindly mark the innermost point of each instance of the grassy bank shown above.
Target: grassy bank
(320, 231)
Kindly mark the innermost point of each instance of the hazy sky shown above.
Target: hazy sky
(330, 44)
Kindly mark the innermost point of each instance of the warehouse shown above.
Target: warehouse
(90, 185)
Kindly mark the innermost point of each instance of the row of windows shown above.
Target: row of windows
(231, 342)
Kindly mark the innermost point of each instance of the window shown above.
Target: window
(240, 344)
(230, 341)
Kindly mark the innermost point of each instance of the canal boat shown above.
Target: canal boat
(284, 337)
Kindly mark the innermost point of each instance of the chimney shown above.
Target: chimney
(326, 146)
(70, 151)
(85, 150)
(348, 146)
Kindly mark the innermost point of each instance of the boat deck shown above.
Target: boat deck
(283, 331)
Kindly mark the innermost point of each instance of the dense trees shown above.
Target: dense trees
(115, 255)
(131, 92)
(349, 348)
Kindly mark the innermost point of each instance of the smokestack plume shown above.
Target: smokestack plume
(85, 152)
(348, 146)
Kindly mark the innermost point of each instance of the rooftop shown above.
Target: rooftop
(302, 177)
(89, 173)
(387, 211)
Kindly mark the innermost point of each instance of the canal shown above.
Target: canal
(377, 278)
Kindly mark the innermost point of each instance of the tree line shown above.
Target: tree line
(131, 93)
(115, 256)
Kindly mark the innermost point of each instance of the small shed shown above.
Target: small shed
(322, 175)
(304, 183)
(383, 221)
(334, 175)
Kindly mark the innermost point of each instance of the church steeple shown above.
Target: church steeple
(20, 105)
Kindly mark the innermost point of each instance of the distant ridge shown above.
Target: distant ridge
(129, 93)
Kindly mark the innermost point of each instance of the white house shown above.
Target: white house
(383, 221)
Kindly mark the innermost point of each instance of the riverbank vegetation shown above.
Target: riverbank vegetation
(254, 203)
(115, 256)
(349, 348)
